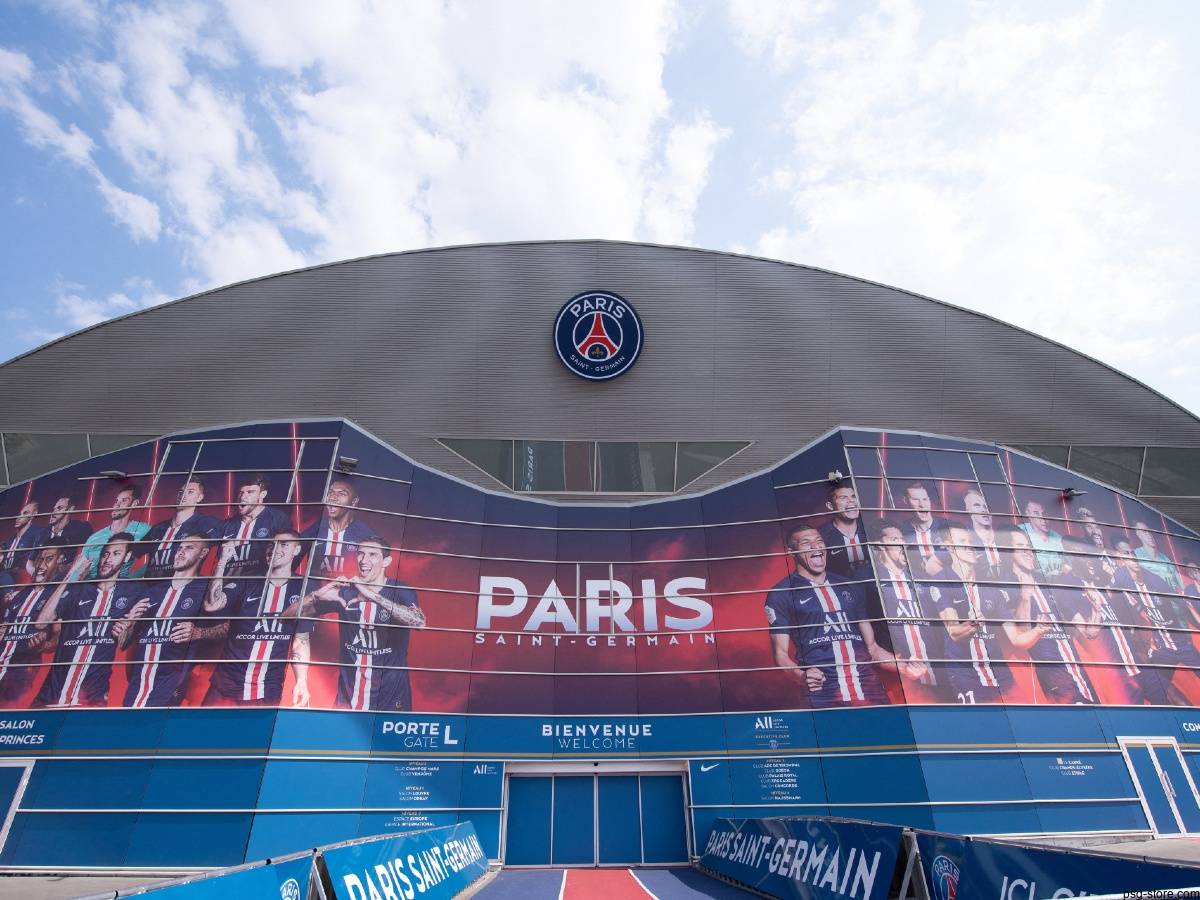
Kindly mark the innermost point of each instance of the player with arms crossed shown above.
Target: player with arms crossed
(823, 617)
(375, 617)
(254, 659)
(165, 625)
(22, 643)
(974, 615)
(85, 614)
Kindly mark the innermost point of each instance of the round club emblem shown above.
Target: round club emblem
(598, 335)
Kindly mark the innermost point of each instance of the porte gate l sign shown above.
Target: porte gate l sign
(598, 335)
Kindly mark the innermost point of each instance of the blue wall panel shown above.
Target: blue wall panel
(277, 834)
(204, 784)
(978, 818)
(974, 777)
(1089, 816)
(305, 784)
(67, 839)
(230, 730)
(111, 729)
(90, 784)
(487, 829)
(181, 839)
(779, 780)
(306, 730)
(372, 824)
(431, 784)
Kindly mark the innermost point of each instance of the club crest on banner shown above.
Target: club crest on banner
(598, 335)
(945, 878)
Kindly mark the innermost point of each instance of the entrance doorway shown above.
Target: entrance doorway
(1163, 783)
(595, 819)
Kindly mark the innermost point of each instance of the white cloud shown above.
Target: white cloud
(267, 136)
(137, 213)
(670, 207)
(1022, 165)
(79, 311)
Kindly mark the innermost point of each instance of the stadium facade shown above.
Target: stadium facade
(352, 550)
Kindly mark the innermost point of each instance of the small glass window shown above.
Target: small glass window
(1119, 466)
(30, 455)
(631, 467)
(601, 467)
(1172, 472)
(554, 466)
(698, 458)
(1051, 454)
(493, 457)
(107, 443)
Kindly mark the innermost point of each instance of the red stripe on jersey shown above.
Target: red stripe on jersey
(845, 664)
(925, 543)
(166, 541)
(363, 662)
(1065, 650)
(1152, 613)
(149, 673)
(255, 685)
(916, 644)
(854, 549)
(83, 655)
(979, 656)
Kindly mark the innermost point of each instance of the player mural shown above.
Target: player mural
(253, 566)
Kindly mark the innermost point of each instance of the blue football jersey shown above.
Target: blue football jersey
(160, 668)
(373, 649)
(86, 646)
(254, 540)
(821, 621)
(254, 660)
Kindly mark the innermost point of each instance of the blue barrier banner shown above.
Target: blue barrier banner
(960, 869)
(279, 881)
(435, 864)
(806, 859)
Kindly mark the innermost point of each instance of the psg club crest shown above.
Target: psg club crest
(945, 878)
(598, 335)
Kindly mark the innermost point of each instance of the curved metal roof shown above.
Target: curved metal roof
(456, 342)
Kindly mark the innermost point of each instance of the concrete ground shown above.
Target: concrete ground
(1180, 850)
(68, 887)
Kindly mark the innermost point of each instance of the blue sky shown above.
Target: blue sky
(1033, 161)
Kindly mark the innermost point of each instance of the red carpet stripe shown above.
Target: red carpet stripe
(603, 884)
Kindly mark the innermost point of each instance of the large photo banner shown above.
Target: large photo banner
(308, 565)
